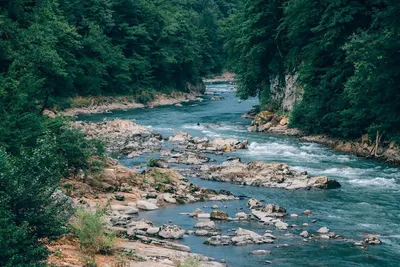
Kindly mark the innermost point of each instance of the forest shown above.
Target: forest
(50, 50)
(345, 53)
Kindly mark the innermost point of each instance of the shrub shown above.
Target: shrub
(159, 176)
(145, 96)
(91, 229)
(152, 163)
(30, 212)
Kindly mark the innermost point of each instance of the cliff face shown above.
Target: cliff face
(285, 93)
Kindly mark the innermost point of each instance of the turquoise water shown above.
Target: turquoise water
(368, 201)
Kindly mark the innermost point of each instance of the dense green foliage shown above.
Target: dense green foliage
(345, 52)
(56, 49)
(72, 47)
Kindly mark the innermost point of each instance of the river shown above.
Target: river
(368, 201)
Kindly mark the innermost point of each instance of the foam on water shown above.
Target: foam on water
(211, 134)
(310, 153)
(213, 127)
(376, 182)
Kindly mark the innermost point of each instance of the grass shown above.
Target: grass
(188, 262)
(159, 176)
(81, 102)
(91, 230)
(152, 162)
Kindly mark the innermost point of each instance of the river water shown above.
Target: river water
(368, 201)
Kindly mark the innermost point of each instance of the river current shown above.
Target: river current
(367, 203)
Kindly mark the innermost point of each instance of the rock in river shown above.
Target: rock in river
(244, 237)
(219, 215)
(372, 240)
(171, 232)
(263, 174)
(205, 225)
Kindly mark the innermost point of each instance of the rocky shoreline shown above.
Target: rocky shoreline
(271, 123)
(128, 192)
(103, 104)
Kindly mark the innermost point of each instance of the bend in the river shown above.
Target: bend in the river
(367, 202)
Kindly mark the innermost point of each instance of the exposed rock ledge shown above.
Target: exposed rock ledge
(121, 136)
(262, 174)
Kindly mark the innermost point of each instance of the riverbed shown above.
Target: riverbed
(368, 201)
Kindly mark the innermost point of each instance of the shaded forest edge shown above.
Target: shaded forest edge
(343, 57)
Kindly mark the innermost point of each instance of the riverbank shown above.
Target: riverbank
(128, 192)
(107, 104)
(124, 193)
(365, 184)
(366, 147)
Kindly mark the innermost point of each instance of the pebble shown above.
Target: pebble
(294, 215)
(304, 234)
(307, 212)
(267, 262)
(305, 224)
(323, 230)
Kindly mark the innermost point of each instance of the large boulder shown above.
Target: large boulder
(146, 205)
(218, 240)
(169, 198)
(244, 237)
(253, 203)
(372, 240)
(281, 225)
(195, 212)
(274, 210)
(205, 225)
(171, 232)
(219, 215)
(180, 137)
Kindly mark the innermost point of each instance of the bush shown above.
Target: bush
(91, 229)
(30, 212)
(72, 145)
(152, 163)
(145, 96)
(159, 176)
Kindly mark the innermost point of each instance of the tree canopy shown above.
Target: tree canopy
(53, 49)
(346, 54)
